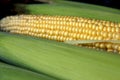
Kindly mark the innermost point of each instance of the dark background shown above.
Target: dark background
(108, 3)
(7, 6)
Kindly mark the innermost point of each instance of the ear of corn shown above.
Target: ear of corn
(63, 61)
(8, 72)
(60, 60)
(65, 28)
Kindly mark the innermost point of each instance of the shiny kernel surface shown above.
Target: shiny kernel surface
(63, 28)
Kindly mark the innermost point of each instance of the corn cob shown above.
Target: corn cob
(65, 28)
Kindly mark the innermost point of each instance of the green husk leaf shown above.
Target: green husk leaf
(9, 72)
(68, 8)
(59, 60)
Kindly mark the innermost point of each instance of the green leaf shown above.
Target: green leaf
(68, 8)
(59, 60)
(8, 72)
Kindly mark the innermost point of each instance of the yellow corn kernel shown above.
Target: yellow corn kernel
(63, 28)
